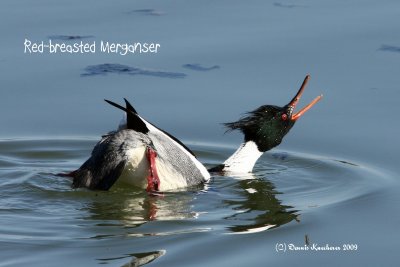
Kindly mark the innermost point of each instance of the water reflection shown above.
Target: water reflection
(69, 37)
(257, 207)
(389, 48)
(107, 68)
(198, 67)
(134, 207)
(147, 12)
(128, 226)
(139, 259)
(249, 205)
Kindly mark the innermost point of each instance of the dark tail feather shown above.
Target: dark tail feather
(129, 106)
(115, 105)
(133, 121)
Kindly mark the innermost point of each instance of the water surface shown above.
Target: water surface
(333, 180)
(126, 224)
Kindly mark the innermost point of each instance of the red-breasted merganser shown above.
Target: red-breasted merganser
(145, 156)
(263, 129)
(140, 154)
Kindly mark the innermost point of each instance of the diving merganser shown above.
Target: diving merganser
(145, 156)
(140, 154)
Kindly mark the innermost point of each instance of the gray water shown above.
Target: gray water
(333, 181)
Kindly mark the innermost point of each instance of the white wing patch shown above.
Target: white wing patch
(198, 164)
(169, 179)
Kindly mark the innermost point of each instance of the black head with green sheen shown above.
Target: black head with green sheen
(267, 125)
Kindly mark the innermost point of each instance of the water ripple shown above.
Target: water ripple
(390, 48)
(107, 68)
(69, 37)
(198, 67)
(147, 12)
(38, 207)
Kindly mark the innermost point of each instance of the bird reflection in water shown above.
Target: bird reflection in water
(256, 206)
(133, 207)
(250, 202)
(138, 259)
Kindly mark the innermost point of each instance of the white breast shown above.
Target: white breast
(243, 160)
(137, 170)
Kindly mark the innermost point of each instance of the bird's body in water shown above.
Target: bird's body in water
(142, 155)
(145, 156)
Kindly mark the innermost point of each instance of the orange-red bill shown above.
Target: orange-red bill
(297, 97)
(304, 110)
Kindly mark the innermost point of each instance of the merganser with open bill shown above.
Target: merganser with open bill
(145, 156)
(263, 129)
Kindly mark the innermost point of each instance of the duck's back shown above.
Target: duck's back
(176, 166)
(108, 160)
(121, 156)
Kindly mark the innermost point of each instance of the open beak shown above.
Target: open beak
(292, 104)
